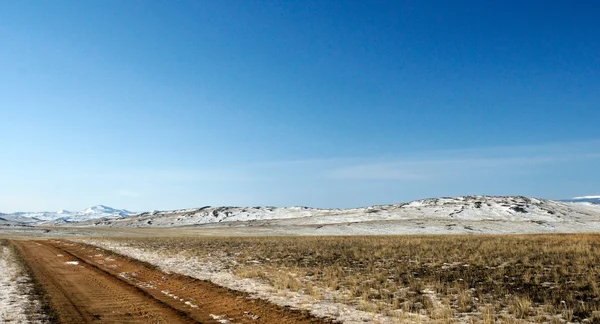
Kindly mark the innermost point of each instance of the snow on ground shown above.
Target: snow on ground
(217, 271)
(17, 304)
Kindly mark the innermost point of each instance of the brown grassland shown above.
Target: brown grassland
(489, 279)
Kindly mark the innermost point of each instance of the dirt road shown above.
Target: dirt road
(88, 284)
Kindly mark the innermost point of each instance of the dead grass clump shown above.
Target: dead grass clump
(520, 306)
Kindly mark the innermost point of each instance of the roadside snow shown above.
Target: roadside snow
(217, 271)
(16, 299)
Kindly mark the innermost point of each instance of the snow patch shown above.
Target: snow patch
(221, 318)
(17, 304)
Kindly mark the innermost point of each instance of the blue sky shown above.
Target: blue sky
(160, 104)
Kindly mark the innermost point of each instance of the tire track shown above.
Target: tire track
(80, 293)
(87, 283)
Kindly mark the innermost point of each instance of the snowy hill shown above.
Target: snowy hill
(468, 214)
(90, 213)
(460, 214)
(586, 199)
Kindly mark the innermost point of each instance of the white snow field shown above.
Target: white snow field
(17, 304)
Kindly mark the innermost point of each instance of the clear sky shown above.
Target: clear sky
(172, 104)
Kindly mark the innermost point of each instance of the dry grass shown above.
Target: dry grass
(490, 279)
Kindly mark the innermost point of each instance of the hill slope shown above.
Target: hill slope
(460, 214)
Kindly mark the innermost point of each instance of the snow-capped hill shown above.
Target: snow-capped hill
(585, 199)
(101, 209)
(62, 215)
(8, 219)
(467, 214)
(208, 214)
(509, 208)
(588, 197)
(464, 209)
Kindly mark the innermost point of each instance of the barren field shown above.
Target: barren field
(445, 279)
(86, 284)
(374, 279)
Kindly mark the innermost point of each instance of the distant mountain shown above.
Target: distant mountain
(65, 216)
(454, 215)
(485, 211)
(588, 199)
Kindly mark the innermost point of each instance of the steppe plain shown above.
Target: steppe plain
(449, 260)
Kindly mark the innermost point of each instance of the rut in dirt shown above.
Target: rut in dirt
(86, 284)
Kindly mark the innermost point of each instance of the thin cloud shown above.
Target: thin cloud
(425, 169)
(423, 166)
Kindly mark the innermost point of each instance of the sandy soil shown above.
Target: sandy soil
(87, 284)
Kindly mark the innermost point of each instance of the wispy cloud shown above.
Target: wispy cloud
(423, 166)
(457, 163)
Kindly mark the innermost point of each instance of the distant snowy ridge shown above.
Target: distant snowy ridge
(585, 199)
(513, 209)
(467, 214)
(65, 216)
